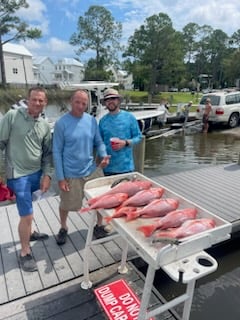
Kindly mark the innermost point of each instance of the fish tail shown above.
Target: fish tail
(147, 230)
(131, 215)
(82, 210)
(108, 219)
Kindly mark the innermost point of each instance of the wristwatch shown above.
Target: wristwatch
(126, 143)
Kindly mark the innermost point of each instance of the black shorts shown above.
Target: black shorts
(205, 119)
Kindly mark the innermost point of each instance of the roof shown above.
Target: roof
(16, 49)
(70, 61)
(40, 59)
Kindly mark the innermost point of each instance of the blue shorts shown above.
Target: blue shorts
(23, 188)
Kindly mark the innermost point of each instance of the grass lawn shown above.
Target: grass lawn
(173, 98)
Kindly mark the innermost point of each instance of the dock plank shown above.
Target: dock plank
(69, 301)
(12, 274)
(215, 188)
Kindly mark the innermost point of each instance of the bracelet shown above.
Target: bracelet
(126, 143)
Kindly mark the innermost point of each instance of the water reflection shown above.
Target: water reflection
(183, 152)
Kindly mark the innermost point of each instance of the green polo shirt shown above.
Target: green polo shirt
(27, 143)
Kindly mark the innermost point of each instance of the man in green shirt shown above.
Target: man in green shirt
(26, 138)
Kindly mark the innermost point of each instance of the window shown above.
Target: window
(15, 71)
(230, 99)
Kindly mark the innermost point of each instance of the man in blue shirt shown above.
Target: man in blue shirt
(122, 125)
(76, 135)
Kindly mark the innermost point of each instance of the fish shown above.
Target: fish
(172, 219)
(120, 212)
(144, 197)
(129, 187)
(156, 208)
(107, 202)
(188, 228)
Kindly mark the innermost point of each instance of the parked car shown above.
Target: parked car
(225, 107)
(173, 89)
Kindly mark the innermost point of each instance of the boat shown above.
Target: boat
(146, 114)
(22, 103)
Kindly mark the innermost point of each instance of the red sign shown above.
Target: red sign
(118, 301)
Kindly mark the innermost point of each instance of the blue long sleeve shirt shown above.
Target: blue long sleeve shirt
(74, 142)
(122, 125)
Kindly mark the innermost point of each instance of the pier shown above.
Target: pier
(54, 291)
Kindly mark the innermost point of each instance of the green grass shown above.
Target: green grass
(173, 98)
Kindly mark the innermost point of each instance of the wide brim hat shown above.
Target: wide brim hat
(111, 93)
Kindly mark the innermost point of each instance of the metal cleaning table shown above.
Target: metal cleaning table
(185, 261)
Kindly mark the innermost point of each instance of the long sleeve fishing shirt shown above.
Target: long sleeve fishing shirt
(74, 142)
(124, 126)
(27, 143)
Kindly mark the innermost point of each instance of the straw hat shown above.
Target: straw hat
(111, 93)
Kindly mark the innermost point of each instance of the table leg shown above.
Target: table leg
(188, 302)
(122, 269)
(146, 293)
(86, 283)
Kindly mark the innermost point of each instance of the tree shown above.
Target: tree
(97, 31)
(157, 47)
(12, 28)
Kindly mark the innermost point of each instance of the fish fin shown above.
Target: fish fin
(116, 182)
(147, 230)
(132, 215)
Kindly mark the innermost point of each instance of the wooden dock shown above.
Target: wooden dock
(54, 291)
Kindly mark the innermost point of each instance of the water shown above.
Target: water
(183, 152)
(217, 295)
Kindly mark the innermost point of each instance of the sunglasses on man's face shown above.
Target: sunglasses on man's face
(112, 98)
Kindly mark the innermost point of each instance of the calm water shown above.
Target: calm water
(183, 152)
(218, 295)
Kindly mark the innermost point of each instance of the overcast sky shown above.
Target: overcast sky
(58, 19)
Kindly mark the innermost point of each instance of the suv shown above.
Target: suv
(225, 107)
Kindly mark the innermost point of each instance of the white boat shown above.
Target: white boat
(146, 114)
(22, 103)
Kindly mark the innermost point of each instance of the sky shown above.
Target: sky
(58, 19)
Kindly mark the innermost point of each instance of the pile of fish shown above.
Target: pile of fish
(139, 199)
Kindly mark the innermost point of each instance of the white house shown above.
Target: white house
(68, 70)
(122, 77)
(43, 69)
(18, 64)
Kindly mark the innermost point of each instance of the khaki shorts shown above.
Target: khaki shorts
(72, 199)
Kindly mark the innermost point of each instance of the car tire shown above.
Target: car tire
(233, 120)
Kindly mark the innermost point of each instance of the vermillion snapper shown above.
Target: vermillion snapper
(129, 187)
(106, 202)
(172, 219)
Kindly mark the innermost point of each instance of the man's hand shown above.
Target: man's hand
(119, 145)
(45, 183)
(63, 185)
(104, 162)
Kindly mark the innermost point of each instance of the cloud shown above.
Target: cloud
(36, 15)
(53, 48)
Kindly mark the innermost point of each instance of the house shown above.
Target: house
(18, 64)
(43, 70)
(68, 70)
(122, 77)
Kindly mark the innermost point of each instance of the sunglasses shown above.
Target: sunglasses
(112, 98)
